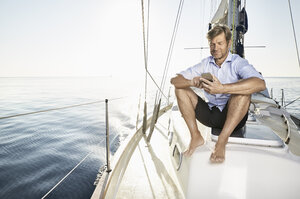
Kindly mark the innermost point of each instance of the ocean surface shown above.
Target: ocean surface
(38, 150)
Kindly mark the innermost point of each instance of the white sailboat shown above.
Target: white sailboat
(262, 159)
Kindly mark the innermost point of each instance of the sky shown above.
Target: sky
(104, 37)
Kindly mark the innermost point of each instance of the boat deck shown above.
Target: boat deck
(257, 164)
(148, 175)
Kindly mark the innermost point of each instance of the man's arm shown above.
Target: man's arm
(245, 86)
(180, 82)
(242, 87)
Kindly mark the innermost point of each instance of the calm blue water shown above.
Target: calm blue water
(291, 87)
(38, 150)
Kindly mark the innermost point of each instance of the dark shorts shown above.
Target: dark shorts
(214, 117)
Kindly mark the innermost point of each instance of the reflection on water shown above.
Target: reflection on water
(38, 150)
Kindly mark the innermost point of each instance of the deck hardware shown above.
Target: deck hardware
(170, 134)
(287, 139)
(177, 155)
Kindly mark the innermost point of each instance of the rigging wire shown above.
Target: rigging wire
(171, 46)
(292, 102)
(58, 108)
(145, 44)
(66, 176)
(148, 22)
(202, 26)
(146, 69)
(206, 47)
(145, 49)
(294, 32)
(160, 90)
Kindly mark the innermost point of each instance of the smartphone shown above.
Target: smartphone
(207, 76)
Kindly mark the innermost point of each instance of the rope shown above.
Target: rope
(157, 85)
(145, 49)
(146, 69)
(202, 25)
(66, 176)
(172, 43)
(145, 44)
(59, 108)
(179, 11)
(148, 19)
(233, 27)
(294, 32)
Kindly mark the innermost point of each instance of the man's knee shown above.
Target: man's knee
(178, 92)
(186, 94)
(244, 99)
(182, 92)
(239, 103)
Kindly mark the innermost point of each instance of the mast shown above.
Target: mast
(238, 23)
(233, 11)
(233, 14)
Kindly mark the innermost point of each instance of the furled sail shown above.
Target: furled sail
(234, 16)
(221, 14)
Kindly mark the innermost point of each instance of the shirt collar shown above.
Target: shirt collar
(228, 58)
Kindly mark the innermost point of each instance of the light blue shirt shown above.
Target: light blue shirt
(233, 69)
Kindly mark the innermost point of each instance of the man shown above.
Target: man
(228, 95)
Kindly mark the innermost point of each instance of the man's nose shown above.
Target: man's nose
(216, 47)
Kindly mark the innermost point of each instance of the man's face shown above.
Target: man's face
(219, 47)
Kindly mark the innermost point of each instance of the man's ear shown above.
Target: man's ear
(229, 43)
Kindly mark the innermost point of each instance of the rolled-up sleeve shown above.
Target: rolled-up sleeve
(246, 70)
(191, 72)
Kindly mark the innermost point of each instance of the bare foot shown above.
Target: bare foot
(218, 156)
(195, 142)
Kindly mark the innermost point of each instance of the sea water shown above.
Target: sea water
(38, 150)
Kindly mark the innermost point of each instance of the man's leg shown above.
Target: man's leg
(238, 106)
(187, 101)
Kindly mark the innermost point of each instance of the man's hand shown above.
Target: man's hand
(214, 87)
(196, 82)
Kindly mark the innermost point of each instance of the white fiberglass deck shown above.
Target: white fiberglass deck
(249, 171)
(149, 173)
(259, 165)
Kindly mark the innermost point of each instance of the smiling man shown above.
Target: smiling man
(228, 94)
